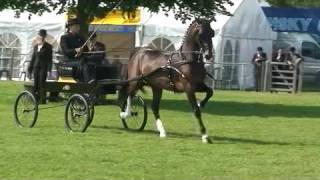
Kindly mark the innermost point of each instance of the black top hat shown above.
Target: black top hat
(72, 22)
(259, 49)
(42, 33)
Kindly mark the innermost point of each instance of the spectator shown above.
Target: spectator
(41, 63)
(258, 61)
(294, 60)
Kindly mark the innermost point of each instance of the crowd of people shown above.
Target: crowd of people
(291, 58)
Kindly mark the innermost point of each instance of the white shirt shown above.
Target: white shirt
(39, 47)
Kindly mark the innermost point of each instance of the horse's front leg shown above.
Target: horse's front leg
(209, 93)
(126, 109)
(196, 110)
(157, 94)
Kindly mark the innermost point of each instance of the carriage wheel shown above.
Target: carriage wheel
(77, 114)
(91, 107)
(138, 119)
(25, 110)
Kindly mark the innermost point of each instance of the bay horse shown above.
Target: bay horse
(181, 71)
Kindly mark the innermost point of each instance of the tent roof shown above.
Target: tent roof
(160, 19)
(248, 22)
(247, 11)
(221, 20)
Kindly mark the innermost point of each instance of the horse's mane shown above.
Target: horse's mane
(191, 26)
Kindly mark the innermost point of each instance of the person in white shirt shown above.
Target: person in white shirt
(41, 63)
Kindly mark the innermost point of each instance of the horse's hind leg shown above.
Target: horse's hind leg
(209, 93)
(126, 105)
(157, 93)
(196, 110)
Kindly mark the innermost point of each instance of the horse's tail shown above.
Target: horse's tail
(123, 90)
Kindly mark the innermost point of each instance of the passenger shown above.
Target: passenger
(97, 47)
(95, 60)
(97, 55)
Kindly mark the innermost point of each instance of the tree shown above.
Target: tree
(87, 9)
(295, 3)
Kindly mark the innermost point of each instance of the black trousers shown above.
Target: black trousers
(88, 71)
(40, 76)
(81, 70)
(258, 77)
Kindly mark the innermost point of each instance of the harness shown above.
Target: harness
(171, 66)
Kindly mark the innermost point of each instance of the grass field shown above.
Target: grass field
(256, 136)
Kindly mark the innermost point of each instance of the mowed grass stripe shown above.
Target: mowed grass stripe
(256, 136)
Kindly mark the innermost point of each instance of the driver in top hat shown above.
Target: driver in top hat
(71, 45)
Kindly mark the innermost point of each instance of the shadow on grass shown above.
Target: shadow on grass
(245, 109)
(216, 139)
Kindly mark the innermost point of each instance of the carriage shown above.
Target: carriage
(79, 106)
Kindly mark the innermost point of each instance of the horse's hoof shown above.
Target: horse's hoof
(123, 115)
(206, 139)
(201, 105)
(162, 135)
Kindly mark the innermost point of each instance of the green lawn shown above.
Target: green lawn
(256, 136)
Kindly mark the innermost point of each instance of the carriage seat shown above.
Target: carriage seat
(66, 69)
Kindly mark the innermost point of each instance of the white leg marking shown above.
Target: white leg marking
(127, 113)
(205, 138)
(160, 128)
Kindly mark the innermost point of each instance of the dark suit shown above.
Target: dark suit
(97, 57)
(41, 63)
(258, 68)
(68, 43)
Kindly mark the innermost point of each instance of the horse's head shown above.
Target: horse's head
(204, 34)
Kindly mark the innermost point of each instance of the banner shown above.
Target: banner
(106, 28)
(294, 19)
(118, 17)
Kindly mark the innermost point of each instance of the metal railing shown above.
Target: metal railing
(231, 75)
(13, 66)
